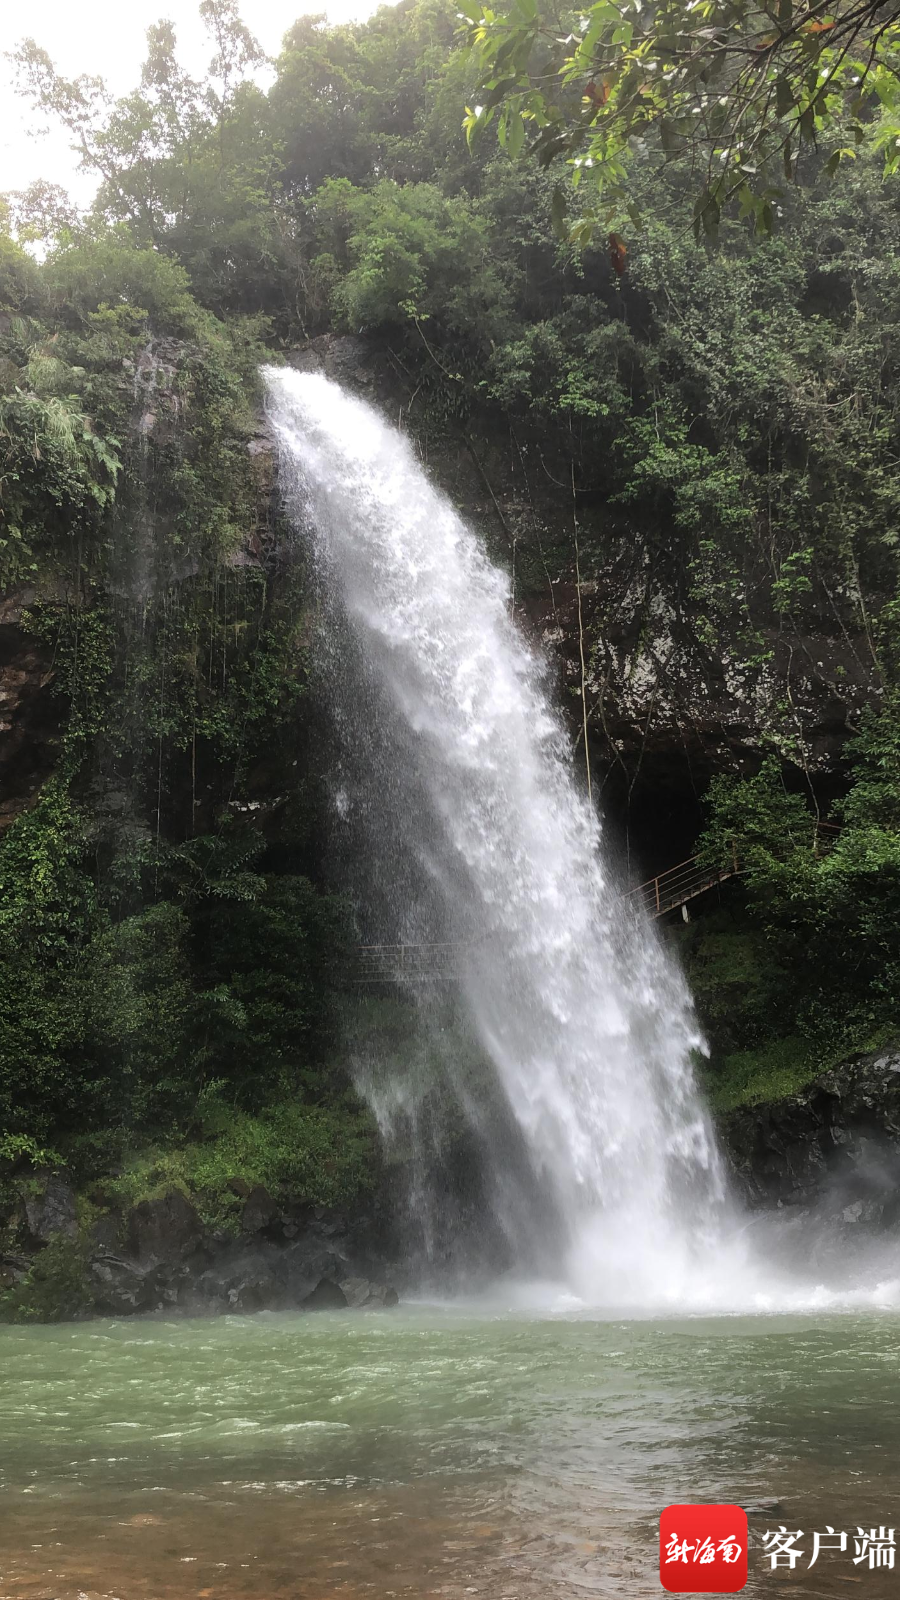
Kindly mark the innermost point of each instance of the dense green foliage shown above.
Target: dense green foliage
(54, 1289)
(320, 1154)
(724, 425)
(738, 91)
(736, 413)
(819, 959)
(804, 967)
(158, 936)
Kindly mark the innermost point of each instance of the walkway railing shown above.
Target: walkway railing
(442, 963)
(408, 963)
(679, 884)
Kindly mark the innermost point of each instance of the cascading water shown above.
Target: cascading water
(586, 1022)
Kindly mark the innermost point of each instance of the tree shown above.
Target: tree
(175, 151)
(734, 91)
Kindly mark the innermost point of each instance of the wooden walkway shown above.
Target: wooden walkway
(442, 963)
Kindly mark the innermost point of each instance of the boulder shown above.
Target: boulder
(251, 1294)
(326, 1296)
(106, 1233)
(304, 1265)
(237, 1280)
(362, 1293)
(13, 1269)
(167, 1229)
(259, 1212)
(50, 1208)
(119, 1287)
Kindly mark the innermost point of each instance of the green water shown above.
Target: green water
(431, 1452)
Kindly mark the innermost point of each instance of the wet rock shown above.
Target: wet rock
(363, 1293)
(254, 1294)
(304, 1265)
(329, 1222)
(12, 1270)
(106, 1233)
(236, 1281)
(263, 1275)
(260, 1273)
(50, 1208)
(119, 1287)
(834, 1146)
(166, 1229)
(868, 1212)
(345, 358)
(158, 1256)
(262, 444)
(326, 1296)
(260, 1210)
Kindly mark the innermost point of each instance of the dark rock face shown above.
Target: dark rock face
(120, 1288)
(260, 1211)
(326, 1296)
(167, 1229)
(168, 1261)
(360, 1292)
(835, 1146)
(50, 1208)
(29, 713)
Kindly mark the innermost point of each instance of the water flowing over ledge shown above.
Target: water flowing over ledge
(470, 797)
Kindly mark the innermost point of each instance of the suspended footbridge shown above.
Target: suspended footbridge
(443, 963)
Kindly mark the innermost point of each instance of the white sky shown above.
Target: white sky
(106, 37)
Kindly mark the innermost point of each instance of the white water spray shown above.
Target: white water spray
(585, 1019)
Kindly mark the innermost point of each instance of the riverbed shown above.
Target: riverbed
(433, 1451)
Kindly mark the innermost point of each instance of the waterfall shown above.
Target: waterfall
(484, 835)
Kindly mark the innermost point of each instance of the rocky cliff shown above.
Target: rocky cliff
(72, 1254)
(668, 702)
(666, 706)
(834, 1147)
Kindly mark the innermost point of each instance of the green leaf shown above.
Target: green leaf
(558, 214)
(784, 96)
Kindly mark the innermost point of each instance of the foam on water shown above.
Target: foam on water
(585, 1019)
